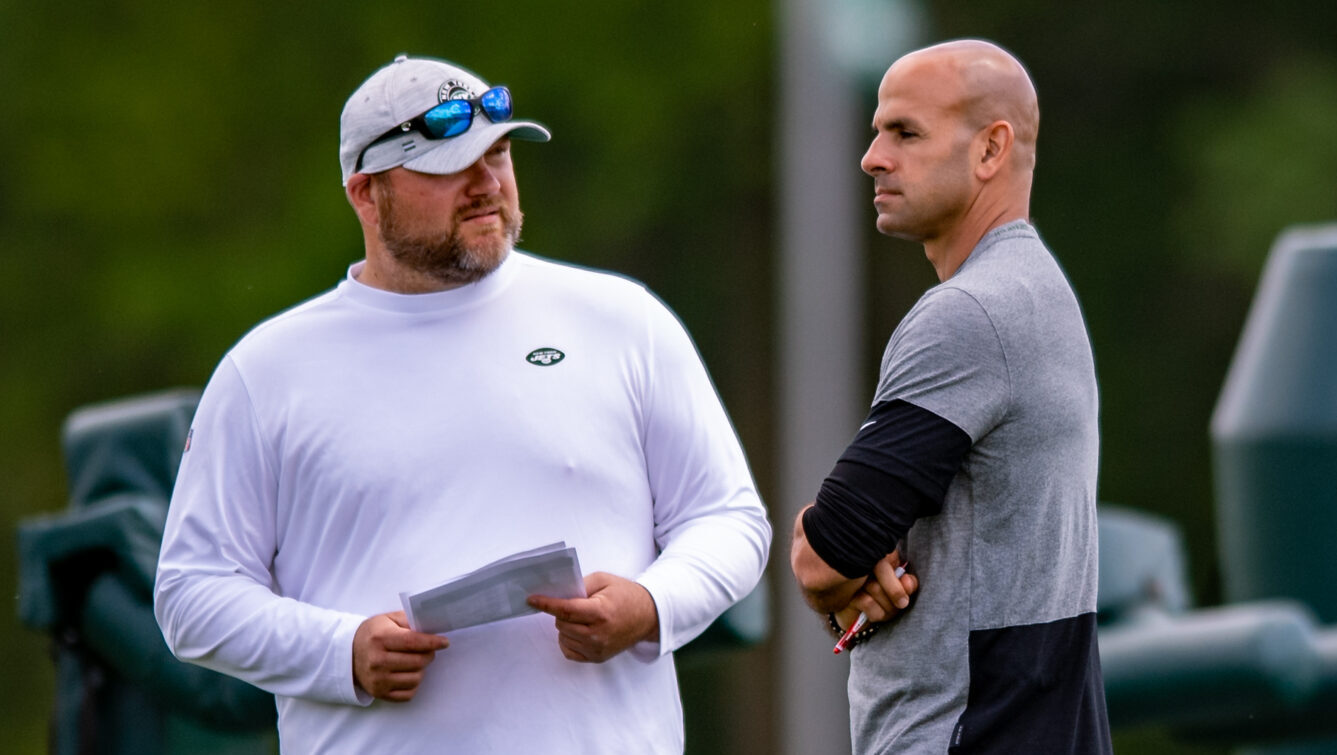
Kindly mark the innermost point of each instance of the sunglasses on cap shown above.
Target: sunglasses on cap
(453, 117)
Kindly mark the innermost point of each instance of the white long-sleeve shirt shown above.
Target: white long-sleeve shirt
(366, 443)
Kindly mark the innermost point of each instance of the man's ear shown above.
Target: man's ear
(360, 193)
(996, 139)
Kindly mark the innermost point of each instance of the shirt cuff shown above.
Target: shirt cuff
(649, 650)
(349, 692)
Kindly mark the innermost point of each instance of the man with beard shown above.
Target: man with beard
(453, 401)
(977, 461)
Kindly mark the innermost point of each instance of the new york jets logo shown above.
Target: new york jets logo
(453, 89)
(545, 357)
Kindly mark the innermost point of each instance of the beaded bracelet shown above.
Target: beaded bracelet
(863, 634)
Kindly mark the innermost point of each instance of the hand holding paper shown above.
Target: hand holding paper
(617, 614)
(496, 591)
(389, 658)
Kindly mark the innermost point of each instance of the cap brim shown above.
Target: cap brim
(457, 153)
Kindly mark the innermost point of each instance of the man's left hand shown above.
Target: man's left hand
(617, 614)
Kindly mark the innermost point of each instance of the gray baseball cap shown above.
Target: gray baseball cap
(402, 91)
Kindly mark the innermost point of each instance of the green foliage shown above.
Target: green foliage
(1256, 163)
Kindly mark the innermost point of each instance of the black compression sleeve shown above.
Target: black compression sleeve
(896, 470)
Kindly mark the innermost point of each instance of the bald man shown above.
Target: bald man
(961, 520)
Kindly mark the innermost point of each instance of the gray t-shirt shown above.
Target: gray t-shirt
(1007, 570)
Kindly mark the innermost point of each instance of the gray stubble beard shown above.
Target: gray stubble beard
(446, 257)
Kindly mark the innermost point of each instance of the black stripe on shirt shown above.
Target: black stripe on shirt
(1035, 688)
(896, 470)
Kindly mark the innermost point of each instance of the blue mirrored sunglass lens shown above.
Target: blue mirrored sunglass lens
(450, 118)
(497, 104)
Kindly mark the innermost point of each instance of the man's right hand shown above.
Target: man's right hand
(883, 595)
(389, 658)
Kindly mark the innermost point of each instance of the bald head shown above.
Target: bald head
(953, 150)
(988, 84)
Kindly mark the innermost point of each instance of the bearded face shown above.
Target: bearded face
(455, 247)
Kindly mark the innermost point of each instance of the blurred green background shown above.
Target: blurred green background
(170, 178)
